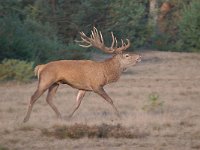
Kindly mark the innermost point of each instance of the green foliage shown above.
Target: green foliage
(161, 42)
(3, 147)
(13, 39)
(154, 104)
(72, 51)
(82, 17)
(190, 27)
(169, 39)
(27, 40)
(41, 30)
(109, 15)
(127, 19)
(39, 10)
(12, 69)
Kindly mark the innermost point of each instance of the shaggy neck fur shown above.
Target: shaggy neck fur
(112, 69)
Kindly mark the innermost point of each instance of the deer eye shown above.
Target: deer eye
(126, 55)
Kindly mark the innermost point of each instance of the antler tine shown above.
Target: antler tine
(95, 37)
(85, 45)
(122, 43)
(84, 38)
(123, 47)
(126, 45)
(101, 37)
(96, 40)
(116, 42)
(92, 35)
(113, 40)
(95, 31)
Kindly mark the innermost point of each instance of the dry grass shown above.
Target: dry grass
(77, 131)
(158, 100)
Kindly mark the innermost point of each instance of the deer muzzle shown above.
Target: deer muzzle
(139, 58)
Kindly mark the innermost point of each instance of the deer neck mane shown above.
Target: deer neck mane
(112, 69)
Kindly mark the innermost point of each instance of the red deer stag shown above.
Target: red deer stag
(84, 75)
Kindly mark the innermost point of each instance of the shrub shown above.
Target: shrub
(72, 51)
(3, 147)
(27, 39)
(13, 69)
(154, 105)
(190, 27)
(129, 21)
(162, 42)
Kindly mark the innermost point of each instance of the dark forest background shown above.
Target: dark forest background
(38, 31)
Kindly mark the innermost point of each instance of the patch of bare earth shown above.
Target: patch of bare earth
(159, 101)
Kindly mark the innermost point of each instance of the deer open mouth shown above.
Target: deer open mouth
(139, 59)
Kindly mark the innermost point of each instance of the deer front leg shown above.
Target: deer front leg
(49, 99)
(79, 98)
(105, 96)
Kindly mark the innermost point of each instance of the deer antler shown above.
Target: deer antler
(96, 40)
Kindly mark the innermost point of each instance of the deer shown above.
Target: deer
(84, 75)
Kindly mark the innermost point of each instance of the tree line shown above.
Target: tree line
(39, 31)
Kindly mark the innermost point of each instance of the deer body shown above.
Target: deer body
(80, 74)
(84, 75)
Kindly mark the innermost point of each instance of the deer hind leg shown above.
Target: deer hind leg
(105, 96)
(79, 98)
(40, 90)
(52, 91)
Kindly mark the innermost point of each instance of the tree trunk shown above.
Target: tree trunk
(153, 14)
(162, 19)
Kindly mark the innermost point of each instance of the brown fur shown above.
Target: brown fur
(84, 75)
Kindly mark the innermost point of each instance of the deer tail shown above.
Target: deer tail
(38, 69)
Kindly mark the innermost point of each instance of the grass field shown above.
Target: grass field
(159, 101)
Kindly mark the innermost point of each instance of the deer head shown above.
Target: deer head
(96, 40)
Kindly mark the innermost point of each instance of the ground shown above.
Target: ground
(158, 99)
